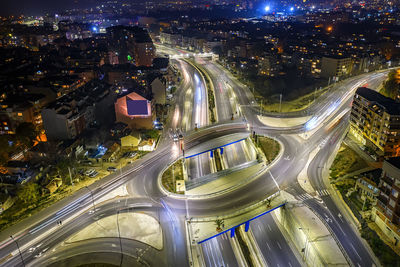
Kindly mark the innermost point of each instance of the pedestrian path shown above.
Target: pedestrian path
(304, 196)
(320, 192)
(323, 192)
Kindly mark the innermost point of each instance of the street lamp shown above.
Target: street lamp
(91, 194)
(20, 254)
(305, 245)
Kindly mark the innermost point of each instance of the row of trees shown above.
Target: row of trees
(24, 138)
(391, 88)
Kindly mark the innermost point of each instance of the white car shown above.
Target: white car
(94, 174)
(89, 172)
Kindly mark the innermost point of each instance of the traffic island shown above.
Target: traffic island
(173, 177)
(269, 147)
(147, 229)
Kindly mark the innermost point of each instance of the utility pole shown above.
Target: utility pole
(70, 176)
(280, 103)
(20, 254)
(315, 93)
(365, 200)
(91, 193)
(306, 243)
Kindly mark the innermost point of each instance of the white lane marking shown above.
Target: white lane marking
(259, 227)
(279, 245)
(355, 251)
(268, 246)
(269, 227)
(290, 264)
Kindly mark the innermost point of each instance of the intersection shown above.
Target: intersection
(325, 130)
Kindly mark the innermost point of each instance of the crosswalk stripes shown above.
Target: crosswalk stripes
(323, 192)
(304, 196)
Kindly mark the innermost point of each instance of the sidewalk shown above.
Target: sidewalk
(309, 235)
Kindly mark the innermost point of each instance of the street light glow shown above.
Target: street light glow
(267, 8)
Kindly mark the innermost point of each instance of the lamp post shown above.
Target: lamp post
(91, 194)
(306, 243)
(20, 254)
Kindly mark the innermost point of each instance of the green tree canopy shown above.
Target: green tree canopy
(26, 134)
(29, 193)
(391, 87)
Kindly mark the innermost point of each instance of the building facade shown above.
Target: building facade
(386, 213)
(336, 67)
(375, 122)
(135, 111)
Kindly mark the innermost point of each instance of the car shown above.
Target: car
(132, 154)
(176, 138)
(89, 172)
(180, 136)
(88, 162)
(111, 169)
(94, 174)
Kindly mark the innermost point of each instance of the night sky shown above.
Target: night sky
(38, 7)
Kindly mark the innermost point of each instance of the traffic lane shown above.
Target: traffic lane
(66, 230)
(346, 234)
(105, 250)
(218, 252)
(272, 243)
(343, 231)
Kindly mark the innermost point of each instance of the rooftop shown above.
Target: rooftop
(391, 106)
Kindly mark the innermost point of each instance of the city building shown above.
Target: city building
(158, 89)
(375, 122)
(135, 111)
(367, 185)
(386, 213)
(144, 52)
(69, 116)
(336, 67)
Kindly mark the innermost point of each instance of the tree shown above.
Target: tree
(220, 224)
(26, 134)
(391, 87)
(29, 193)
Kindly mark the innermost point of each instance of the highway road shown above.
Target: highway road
(141, 179)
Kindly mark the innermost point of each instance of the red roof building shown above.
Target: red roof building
(135, 111)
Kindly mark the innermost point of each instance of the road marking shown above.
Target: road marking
(355, 251)
(290, 264)
(259, 227)
(279, 245)
(269, 227)
(268, 246)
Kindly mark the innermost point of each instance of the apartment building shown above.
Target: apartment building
(386, 213)
(336, 67)
(69, 116)
(375, 122)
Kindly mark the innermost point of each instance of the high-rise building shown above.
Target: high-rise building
(375, 122)
(336, 67)
(386, 213)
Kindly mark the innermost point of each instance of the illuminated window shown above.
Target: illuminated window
(19, 114)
